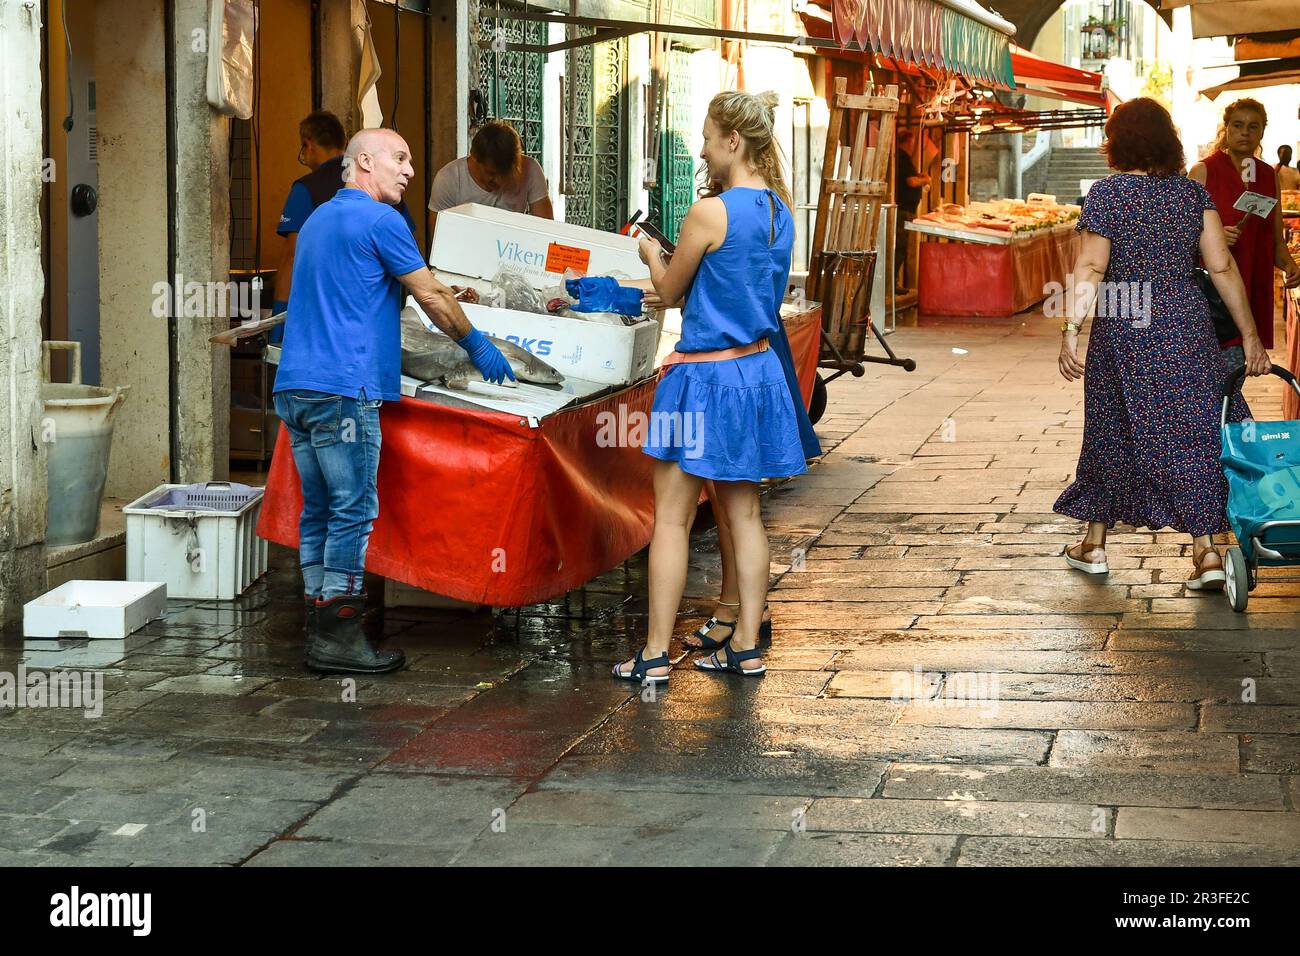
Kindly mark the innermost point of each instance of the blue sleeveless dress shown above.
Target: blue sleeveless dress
(739, 419)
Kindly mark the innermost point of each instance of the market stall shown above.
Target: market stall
(496, 509)
(994, 258)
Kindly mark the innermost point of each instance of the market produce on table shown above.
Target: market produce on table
(1291, 200)
(1002, 216)
(432, 356)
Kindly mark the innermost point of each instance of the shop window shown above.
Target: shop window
(596, 166)
(511, 82)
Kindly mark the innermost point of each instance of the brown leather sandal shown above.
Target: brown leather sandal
(1209, 575)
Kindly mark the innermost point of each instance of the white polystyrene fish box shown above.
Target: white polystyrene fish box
(200, 539)
(578, 348)
(475, 240)
(108, 610)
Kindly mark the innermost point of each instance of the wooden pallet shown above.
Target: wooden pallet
(854, 183)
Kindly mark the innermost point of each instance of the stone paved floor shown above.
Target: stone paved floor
(918, 563)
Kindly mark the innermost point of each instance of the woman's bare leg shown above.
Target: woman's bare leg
(728, 603)
(740, 501)
(677, 495)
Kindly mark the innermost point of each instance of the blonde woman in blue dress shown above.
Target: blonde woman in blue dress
(728, 408)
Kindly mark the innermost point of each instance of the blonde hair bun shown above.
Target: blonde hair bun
(753, 116)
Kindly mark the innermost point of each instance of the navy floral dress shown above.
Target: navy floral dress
(1153, 379)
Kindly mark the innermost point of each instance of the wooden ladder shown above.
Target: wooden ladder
(854, 183)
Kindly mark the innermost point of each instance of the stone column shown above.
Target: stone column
(202, 252)
(131, 85)
(339, 68)
(22, 454)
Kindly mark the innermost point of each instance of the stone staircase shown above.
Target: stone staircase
(1065, 167)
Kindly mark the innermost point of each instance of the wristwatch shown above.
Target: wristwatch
(1070, 327)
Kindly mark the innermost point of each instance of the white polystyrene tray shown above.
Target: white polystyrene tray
(96, 609)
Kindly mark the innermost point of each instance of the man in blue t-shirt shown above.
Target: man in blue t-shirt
(322, 140)
(341, 361)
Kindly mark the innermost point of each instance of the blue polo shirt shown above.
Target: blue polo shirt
(341, 335)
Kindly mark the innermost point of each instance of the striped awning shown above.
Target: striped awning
(957, 36)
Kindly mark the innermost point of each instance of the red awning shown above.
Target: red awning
(1038, 76)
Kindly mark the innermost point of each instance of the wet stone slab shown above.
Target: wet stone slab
(1004, 818)
(423, 810)
(1008, 851)
(528, 843)
(1092, 785)
(1151, 751)
(812, 848)
(774, 775)
(1263, 828)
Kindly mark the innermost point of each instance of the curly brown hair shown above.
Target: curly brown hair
(1140, 135)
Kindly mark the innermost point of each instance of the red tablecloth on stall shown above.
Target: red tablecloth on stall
(478, 506)
(974, 279)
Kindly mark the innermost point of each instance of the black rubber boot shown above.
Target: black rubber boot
(341, 646)
(312, 628)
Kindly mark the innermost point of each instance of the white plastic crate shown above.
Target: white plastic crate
(95, 609)
(201, 540)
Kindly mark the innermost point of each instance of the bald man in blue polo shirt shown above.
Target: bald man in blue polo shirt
(341, 362)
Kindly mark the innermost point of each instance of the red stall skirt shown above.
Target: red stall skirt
(1291, 307)
(480, 507)
(973, 279)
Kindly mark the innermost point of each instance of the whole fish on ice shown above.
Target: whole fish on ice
(431, 356)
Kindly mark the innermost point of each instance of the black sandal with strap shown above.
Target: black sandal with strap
(640, 666)
(707, 643)
(712, 665)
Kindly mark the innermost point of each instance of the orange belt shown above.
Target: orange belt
(720, 355)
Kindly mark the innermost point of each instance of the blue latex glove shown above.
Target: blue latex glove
(603, 294)
(276, 335)
(486, 357)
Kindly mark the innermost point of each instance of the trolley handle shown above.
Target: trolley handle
(1235, 379)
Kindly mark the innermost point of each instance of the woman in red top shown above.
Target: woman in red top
(1257, 244)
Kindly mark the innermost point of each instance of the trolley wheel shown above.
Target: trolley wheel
(909, 365)
(817, 407)
(1238, 584)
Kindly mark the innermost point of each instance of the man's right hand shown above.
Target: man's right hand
(487, 358)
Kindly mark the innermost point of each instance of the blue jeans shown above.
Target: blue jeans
(335, 443)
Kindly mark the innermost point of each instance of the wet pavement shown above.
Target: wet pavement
(942, 690)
